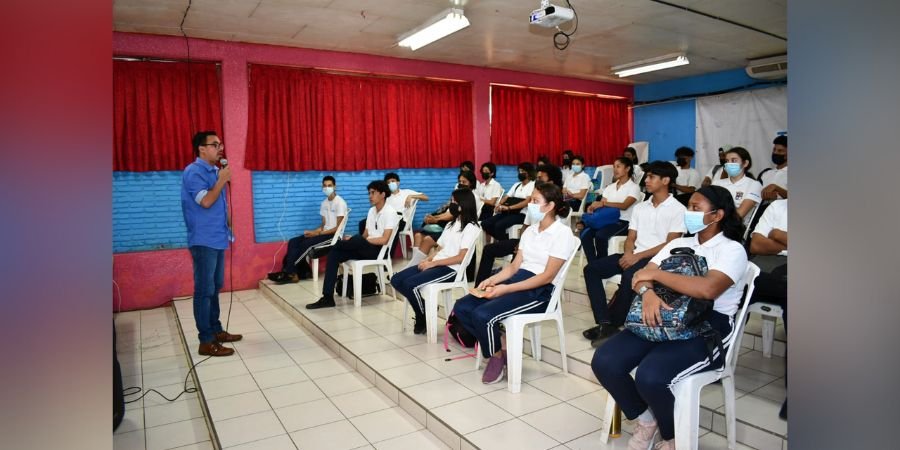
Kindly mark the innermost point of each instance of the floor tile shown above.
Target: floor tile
(472, 381)
(452, 367)
(238, 405)
(177, 434)
(593, 403)
(248, 350)
(530, 399)
(309, 414)
(409, 375)
(244, 429)
(333, 436)
(311, 354)
(563, 422)
(712, 441)
(282, 442)
(362, 402)
(472, 414)
(439, 392)
(133, 440)
(774, 391)
(298, 342)
(592, 442)
(228, 386)
(343, 383)
(354, 334)
(133, 420)
(388, 359)
(382, 425)
(228, 369)
(749, 380)
(371, 345)
(205, 445)
(292, 394)
(279, 377)
(761, 413)
(565, 386)
(511, 434)
(326, 368)
(420, 440)
(178, 411)
(268, 362)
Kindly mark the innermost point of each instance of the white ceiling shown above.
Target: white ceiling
(610, 32)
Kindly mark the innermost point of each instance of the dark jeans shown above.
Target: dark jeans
(595, 242)
(486, 212)
(497, 224)
(659, 365)
(298, 247)
(482, 317)
(409, 281)
(209, 275)
(771, 284)
(491, 252)
(598, 270)
(357, 247)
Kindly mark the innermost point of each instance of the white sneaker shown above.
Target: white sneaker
(643, 435)
(665, 445)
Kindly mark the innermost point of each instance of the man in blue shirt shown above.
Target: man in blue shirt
(209, 229)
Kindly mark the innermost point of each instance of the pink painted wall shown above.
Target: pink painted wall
(150, 279)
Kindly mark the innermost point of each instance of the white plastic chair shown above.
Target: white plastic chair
(687, 391)
(575, 215)
(430, 293)
(356, 266)
(407, 233)
(770, 313)
(515, 330)
(605, 175)
(314, 262)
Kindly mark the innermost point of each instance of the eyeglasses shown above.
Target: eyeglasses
(216, 145)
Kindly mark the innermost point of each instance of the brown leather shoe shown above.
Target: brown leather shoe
(228, 337)
(215, 349)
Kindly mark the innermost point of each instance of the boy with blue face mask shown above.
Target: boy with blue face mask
(333, 210)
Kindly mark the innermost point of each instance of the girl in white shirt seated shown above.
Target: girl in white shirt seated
(458, 238)
(745, 191)
(525, 285)
(577, 186)
(648, 397)
(623, 194)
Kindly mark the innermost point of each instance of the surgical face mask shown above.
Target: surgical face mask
(522, 176)
(535, 213)
(693, 221)
(393, 185)
(328, 191)
(485, 176)
(454, 209)
(778, 159)
(733, 169)
(576, 168)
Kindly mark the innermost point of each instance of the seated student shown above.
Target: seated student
(542, 160)
(716, 172)
(500, 249)
(774, 181)
(648, 397)
(511, 208)
(380, 223)
(525, 285)
(631, 154)
(744, 189)
(488, 191)
(622, 194)
(654, 222)
(458, 238)
(688, 178)
(400, 199)
(579, 184)
(465, 166)
(768, 241)
(333, 211)
(566, 167)
(425, 239)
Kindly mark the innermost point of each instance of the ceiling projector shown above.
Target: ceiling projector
(551, 16)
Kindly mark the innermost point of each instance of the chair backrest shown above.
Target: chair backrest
(749, 221)
(741, 318)
(386, 248)
(408, 215)
(604, 174)
(616, 245)
(339, 233)
(585, 198)
(461, 272)
(563, 271)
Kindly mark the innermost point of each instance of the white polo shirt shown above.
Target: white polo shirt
(453, 240)
(688, 177)
(331, 210)
(654, 223)
(775, 217)
(616, 194)
(566, 174)
(397, 200)
(490, 190)
(378, 221)
(745, 189)
(577, 182)
(722, 254)
(538, 246)
(775, 176)
(519, 190)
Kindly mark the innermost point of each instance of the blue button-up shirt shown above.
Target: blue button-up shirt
(205, 226)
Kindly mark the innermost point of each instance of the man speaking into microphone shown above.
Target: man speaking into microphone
(208, 223)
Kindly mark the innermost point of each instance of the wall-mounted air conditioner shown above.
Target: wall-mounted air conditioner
(773, 68)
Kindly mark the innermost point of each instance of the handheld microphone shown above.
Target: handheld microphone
(223, 162)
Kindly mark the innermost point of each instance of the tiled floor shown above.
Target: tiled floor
(350, 378)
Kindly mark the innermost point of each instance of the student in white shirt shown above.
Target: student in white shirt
(381, 221)
(688, 178)
(566, 167)
(648, 397)
(623, 194)
(578, 185)
(424, 239)
(631, 154)
(654, 222)
(333, 211)
(489, 190)
(744, 189)
(458, 238)
(465, 166)
(716, 171)
(525, 285)
(511, 208)
(774, 181)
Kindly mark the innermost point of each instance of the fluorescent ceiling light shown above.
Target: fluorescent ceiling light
(443, 24)
(650, 65)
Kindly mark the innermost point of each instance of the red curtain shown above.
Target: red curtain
(527, 123)
(153, 103)
(303, 119)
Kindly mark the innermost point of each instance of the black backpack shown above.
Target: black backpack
(369, 285)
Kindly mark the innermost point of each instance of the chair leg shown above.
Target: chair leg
(477, 357)
(346, 280)
(381, 271)
(357, 286)
(405, 320)
(687, 414)
(314, 265)
(431, 316)
(514, 341)
(536, 341)
(560, 330)
(768, 335)
(608, 418)
(730, 425)
(402, 245)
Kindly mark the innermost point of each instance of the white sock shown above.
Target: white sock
(647, 417)
(417, 257)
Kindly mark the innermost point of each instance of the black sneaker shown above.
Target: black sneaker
(591, 333)
(419, 327)
(288, 278)
(275, 276)
(324, 302)
(606, 330)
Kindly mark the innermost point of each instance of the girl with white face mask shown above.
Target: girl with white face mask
(523, 286)
(745, 190)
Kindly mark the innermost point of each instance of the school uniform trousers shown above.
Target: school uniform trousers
(600, 269)
(357, 247)
(411, 281)
(595, 241)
